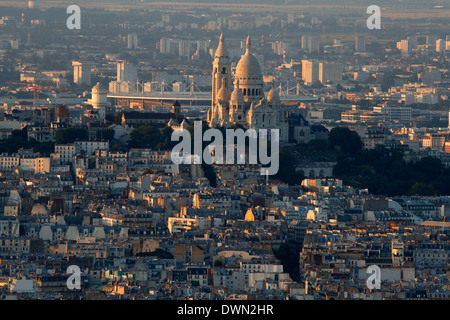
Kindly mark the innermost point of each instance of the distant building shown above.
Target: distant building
(33, 4)
(404, 46)
(314, 45)
(330, 72)
(360, 45)
(157, 119)
(66, 152)
(132, 41)
(431, 40)
(99, 100)
(440, 45)
(165, 18)
(247, 104)
(15, 44)
(297, 230)
(313, 71)
(310, 71)
(81, 73)
(164, 45)
(23, 285)
(37, 165)
(91, 146)
(281, 48)
(126, 72)
(431, 76)
(433, 141)
(310, 44)
(394, 113)
(305, 42)
(185, 49)
(202, 46)
(398, 252)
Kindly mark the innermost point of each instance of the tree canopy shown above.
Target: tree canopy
(70, 135)
(286, 171)
(345, 140)
(145, 136)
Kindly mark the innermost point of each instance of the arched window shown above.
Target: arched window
(253, 92)
(264, 118)
(245, 92)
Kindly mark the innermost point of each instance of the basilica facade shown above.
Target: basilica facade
(245, 103)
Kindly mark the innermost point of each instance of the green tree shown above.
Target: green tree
(166, 143)
(160, 253)
(210, 174)
(428, 168)
(14, 143)
(288, 260)
(145, 136)
(218, 263)
(44, 148)
(70, 135)
(118, 118)
(317, 85)
(387, 81)
(422, 189)
(105, 134)
(110, 118)
(345, 140)
(286, 171)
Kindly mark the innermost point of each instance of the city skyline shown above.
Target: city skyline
(117, 117)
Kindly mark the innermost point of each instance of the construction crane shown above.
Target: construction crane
(36, 89)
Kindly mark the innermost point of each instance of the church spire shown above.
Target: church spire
(221, 49)
(249, 45)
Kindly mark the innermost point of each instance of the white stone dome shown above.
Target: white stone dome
(273, 95)
(237, 95)
(248, 67)
(98, 88)
(223, 94)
